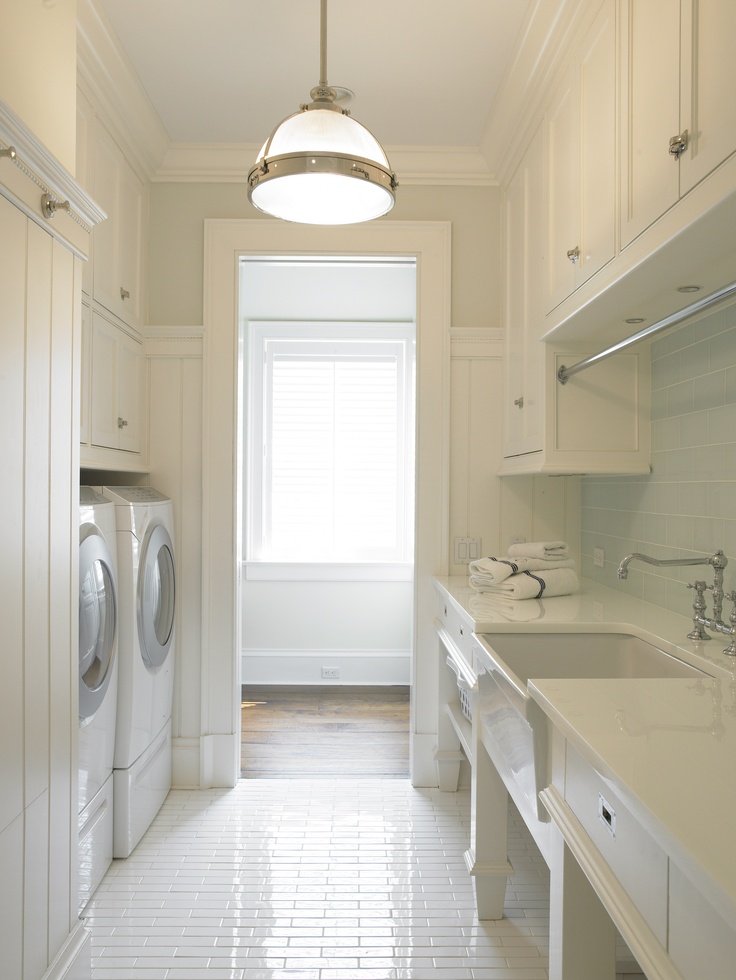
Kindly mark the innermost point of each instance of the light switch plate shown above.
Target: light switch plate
(467, 550)
(599, 557)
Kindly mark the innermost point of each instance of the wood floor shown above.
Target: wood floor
(329, 732)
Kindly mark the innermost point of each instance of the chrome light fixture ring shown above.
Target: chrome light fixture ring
(288, 164)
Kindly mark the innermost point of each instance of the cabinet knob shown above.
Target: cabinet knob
(122, 423)
(573, 254)
(124, 293)
(519, 402)
(678, 144)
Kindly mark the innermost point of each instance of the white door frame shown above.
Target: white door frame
(225, 241)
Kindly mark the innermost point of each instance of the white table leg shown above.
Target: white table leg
(487, 856)
(582, 935)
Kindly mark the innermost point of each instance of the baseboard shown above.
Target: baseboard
(185, 763)
(219, 761)
(74, 959)
(305, 667)
(423, 767)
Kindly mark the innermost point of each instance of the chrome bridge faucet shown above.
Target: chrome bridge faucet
(718, 562)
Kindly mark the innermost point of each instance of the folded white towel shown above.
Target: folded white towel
(493, 571)
(539, 549)
(535, 585)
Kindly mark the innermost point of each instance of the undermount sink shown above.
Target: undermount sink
(513, 726)
(519, 656)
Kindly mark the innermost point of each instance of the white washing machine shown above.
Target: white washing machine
(147, 593)
(98, 687)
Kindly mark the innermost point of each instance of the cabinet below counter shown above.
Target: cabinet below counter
(643, 794)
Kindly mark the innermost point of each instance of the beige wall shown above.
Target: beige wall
(38, 70)
(177, 235)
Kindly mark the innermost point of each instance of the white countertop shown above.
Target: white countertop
(595, 609)
(667, 748)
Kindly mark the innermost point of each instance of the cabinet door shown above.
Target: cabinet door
(650, 116)
(106, 285)
(117, 241)
(131, 234)
(562, 126)
(84, 432)
(581, 136)
(597, 79)
(116, 386)
(130, 387)
(85, 168)
(708, 84)
(524, 319)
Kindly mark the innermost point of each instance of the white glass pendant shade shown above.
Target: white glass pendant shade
(322, 167)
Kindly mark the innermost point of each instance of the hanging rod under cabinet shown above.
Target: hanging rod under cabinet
(565, 373)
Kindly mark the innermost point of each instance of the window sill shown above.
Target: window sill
(267, 571)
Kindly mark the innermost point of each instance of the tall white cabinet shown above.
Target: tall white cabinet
(112, 434)
(581, 167)
(559, 222)
(41, 262)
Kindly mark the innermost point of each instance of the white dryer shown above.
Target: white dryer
(147, 591)
(98, 687)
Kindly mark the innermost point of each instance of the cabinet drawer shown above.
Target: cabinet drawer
(459, 629)
(633, 856)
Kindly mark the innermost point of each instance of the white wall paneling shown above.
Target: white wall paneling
(476, 427)
(174, 380)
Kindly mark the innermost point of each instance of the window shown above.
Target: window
(331, 440)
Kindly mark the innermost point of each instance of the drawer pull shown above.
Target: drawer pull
(607, 815)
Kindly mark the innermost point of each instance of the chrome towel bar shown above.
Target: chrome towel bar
(565, 373)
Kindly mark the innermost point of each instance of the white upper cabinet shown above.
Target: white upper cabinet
(678, 114)
(116, 389)
(524, 320)
(708, 86)
(580, 126)
(118, 273)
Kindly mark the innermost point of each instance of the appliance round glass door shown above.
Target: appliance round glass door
(97, 619)
(156, 596)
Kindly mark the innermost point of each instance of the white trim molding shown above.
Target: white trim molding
(473, 344)
(225, 241)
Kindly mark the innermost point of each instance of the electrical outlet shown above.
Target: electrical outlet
(599, 557)
(331, 673)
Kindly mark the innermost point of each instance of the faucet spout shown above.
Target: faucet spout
(718, 561)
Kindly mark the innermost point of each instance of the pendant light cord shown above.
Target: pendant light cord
(323, 44)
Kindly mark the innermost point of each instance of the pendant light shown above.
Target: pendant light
(320, 166)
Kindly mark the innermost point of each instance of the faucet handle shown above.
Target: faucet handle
(731, 648)
(698, 630)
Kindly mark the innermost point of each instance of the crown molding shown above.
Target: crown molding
(230, 163)
(108, 80)
(546, 42)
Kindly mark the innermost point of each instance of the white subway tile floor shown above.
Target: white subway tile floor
(315, 880)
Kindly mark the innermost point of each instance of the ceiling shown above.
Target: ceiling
(424, 72)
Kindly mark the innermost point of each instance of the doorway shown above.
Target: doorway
(327, 504)
(226, 241)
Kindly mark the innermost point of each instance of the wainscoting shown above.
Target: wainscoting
(335, 732)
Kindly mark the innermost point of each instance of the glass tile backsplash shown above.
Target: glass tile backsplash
(687, 505)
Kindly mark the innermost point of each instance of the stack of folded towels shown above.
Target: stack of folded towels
(532, 570)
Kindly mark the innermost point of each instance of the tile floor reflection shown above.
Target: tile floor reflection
(315, 880)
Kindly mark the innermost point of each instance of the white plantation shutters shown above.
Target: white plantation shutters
(336, 467)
